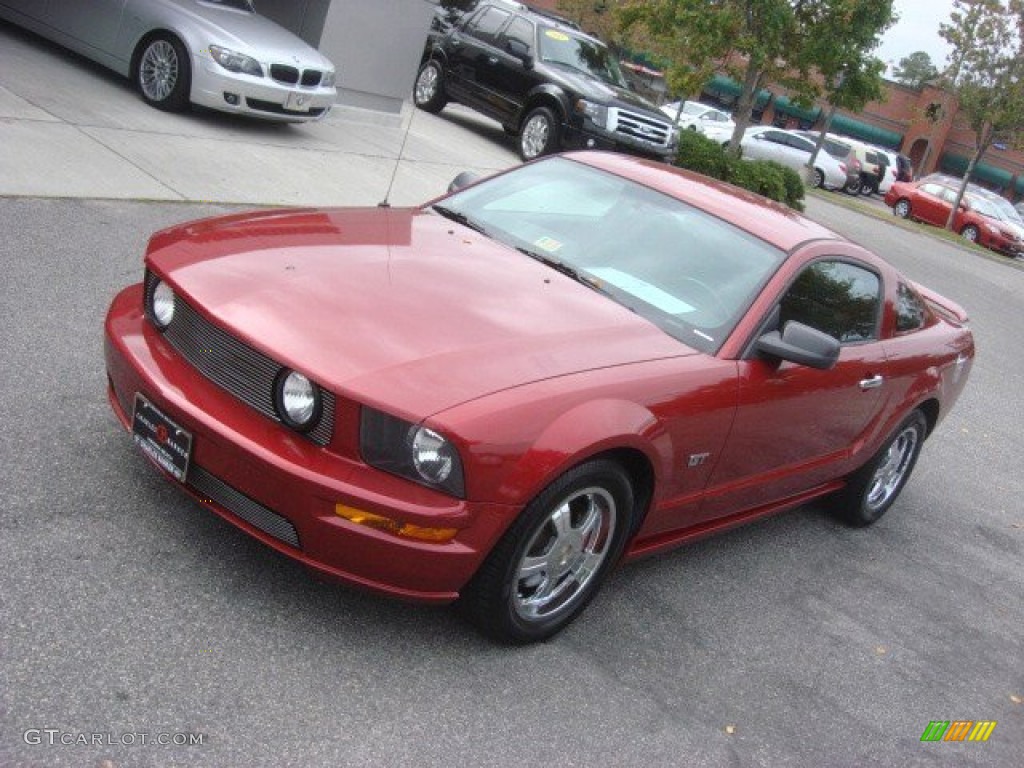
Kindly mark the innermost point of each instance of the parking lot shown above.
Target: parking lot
(128, 612)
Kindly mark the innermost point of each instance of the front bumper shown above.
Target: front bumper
(282, 488)
(217, 88)
(589, 136)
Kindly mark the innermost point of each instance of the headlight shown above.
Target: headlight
(329, 79)
(411, 451)
(236, 62)
(161, 308)
(597, 113)
(297, 400)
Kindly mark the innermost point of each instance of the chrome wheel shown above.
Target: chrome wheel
(893, 469)
(536, 136)
(902, 209)
(970, 233)
(426, 85)
(158, 70)
(564, 554)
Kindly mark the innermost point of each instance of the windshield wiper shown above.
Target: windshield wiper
(460, 217)
(571, 272)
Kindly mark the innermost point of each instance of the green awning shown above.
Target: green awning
(1019, 186)
(762, 98)
(724, 85)
(787, 107)
(956, 165)
(867, 132)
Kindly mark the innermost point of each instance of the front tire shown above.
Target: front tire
(163, 73)
(551, 562)
(873, 488)
(970, 232)
(428, 93)
(902, 208)
(539, 135)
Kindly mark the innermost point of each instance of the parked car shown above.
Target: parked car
(843, 152)
(793, 150)
(499, 394)
(872, 165)
(978, 219)
(544, 80)
(219, 54)
(713, 123)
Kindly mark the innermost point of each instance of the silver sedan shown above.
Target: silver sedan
(215, 53)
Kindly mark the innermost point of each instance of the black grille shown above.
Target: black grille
(284, 73)
(311, 77)
(277, 109)
(233, 500)
(233, 365)
(640, 126)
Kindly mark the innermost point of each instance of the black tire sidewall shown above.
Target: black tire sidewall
(438, 101)
(553, 138)
(178, 99)
(851, 502)
(488, 597)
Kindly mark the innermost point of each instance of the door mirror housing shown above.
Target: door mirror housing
(521, 51)
(800, 344)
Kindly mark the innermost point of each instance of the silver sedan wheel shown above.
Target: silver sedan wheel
(564, 554)
(892, 469)
(535, 136)
(426, 85)
(158, 70)
(902, 209)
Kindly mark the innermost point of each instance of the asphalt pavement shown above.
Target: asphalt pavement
(130, 615)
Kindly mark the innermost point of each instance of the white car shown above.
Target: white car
(219, 54)
(713, 123)
(793, 150)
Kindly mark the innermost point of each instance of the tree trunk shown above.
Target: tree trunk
(818, 144)
(745, 105)
(983, 145)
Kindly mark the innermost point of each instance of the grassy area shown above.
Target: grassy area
(856, 203)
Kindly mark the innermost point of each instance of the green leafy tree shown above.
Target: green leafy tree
(760, 41)
(915, 70)
(987, 75)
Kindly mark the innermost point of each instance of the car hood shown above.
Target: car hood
(398, 308)
(252, 34)
(599, 91)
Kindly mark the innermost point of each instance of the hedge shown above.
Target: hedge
(702, 155)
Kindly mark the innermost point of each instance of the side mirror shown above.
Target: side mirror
(464, 179)
(801, 344)
(521, 51)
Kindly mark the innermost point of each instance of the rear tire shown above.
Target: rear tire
(873, 488)
(552, 560)
(819, 178)
(428, 93)
(163, 73)
(852, 187)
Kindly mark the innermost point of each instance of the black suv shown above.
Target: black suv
(542, 79)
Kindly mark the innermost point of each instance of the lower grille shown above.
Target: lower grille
(236, 502)
(637, 125)
(233, 365)
(277, 109)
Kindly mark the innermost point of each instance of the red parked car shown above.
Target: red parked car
(496, 396)
(977, 220)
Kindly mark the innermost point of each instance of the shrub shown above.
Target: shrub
(700, 154)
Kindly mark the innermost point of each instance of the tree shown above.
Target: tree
(915, 70)
(759, 41)
(987, 75)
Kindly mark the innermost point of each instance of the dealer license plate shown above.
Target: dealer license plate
(160, 438)
(298, 102)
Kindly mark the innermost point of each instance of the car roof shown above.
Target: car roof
(765, 219)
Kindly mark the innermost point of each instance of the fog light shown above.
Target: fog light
(386, 524)
(590, 143)
(231, 98)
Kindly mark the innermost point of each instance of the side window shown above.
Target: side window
(836, 297)
(910, 310)
(486, 24)
(775, 137)
(932, 189)
(521, 30)
(801, 144)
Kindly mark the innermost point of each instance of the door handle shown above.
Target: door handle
(873, 383)
(492, 59)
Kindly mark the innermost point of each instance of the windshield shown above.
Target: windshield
(240, 5)
(687, 272)
(1006, 211)
(587, 56)
(985, 208)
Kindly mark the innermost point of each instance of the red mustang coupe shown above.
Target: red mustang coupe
(498, 395)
